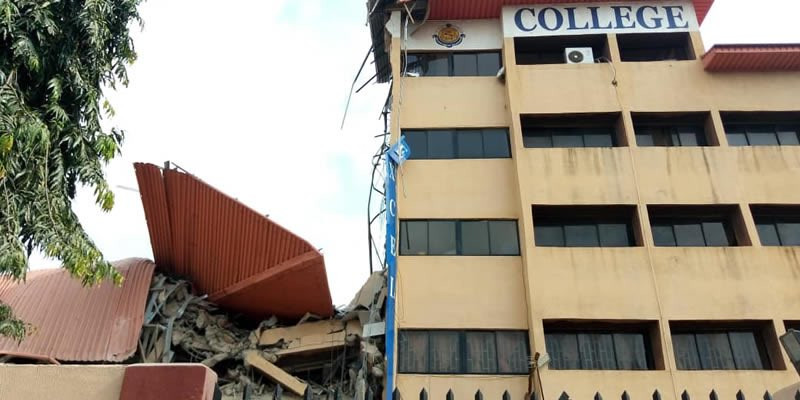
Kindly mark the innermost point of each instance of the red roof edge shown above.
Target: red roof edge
(242, 259)
(752, 57)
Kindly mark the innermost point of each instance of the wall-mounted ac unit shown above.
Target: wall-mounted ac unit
(579, 55)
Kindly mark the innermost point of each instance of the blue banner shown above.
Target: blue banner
(395, 157)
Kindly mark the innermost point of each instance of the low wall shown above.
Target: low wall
(63, 382)
(106, 382)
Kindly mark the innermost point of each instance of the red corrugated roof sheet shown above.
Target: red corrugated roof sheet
(76, 323)
(482, 9)
(240, 258)
(753, 57)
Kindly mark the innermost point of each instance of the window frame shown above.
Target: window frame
(773, 215)
(451, 62)
(678, 43)
(748, 128)
(485, 133)
(458, 237)
(550, 126)
(672, 215)
(670, 132)
(557, 131)
(464, 352)
(545, 216)
(644, 328)
(758, 334)
(673, 221)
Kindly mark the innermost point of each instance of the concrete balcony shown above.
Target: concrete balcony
(452, 102)
(484, 188)
(461, 292)
(577, 176)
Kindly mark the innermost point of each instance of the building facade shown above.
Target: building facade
(590, 188)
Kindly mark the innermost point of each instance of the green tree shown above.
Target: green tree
(55, 59)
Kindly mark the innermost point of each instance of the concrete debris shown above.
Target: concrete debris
(254, 359)
(321, 355)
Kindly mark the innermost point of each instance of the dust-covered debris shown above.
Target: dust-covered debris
(324, 355)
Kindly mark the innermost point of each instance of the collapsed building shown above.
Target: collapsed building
(228, 288)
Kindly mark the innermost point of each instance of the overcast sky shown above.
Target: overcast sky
(248, 96)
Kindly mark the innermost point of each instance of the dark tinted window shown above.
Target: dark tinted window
(604, 350)
(431, 64)
(459, 143)
(442, 237)
(455, 63)
(418, 141)
(414, 237)
(567, 130)
(697, 231)
(459, 237)
(495, 143)
(762, 134)
(594, 229)
(412, 351)
(568, 137)
(465, 64)
(475, 237)
(778, 225)
(512, 352)
(463, 352)
(489, 64)
(654, 46)
(550, 49)
(670, 136)
(470, 143)
(445, 354)
(736, 137)
(614, 234)
(440, 145)
(549, 235)
(719, 350)
(481, 352)
(503, 238)
(579, 234)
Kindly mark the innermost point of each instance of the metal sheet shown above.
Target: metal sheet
(755, 57)
(243, 260)
(75, 323)
(482, 9)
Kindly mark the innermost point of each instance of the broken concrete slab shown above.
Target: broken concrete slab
(273, 372)
(374, 329)
(310, 336)
(365, 297)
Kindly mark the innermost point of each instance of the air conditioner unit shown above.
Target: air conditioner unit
(579, 55)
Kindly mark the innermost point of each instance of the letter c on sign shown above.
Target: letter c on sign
(559, 19)
(518, 19)
(392, 208)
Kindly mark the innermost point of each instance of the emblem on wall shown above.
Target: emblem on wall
(448, 36)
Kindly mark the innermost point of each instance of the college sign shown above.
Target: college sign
(582, 19)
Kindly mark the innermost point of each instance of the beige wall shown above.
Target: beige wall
(62, 382)
(644, 283)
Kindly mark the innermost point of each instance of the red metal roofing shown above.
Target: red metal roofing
(753, 57)
(76, 323)
(243, 260)
(482, 9)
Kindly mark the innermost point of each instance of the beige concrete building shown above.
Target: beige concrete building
(589, 186)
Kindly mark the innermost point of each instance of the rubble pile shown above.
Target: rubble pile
(342, 354)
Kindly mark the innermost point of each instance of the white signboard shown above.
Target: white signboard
(457, 35)
(592, 18)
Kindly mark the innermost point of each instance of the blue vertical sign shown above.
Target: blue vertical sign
(396, 156)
